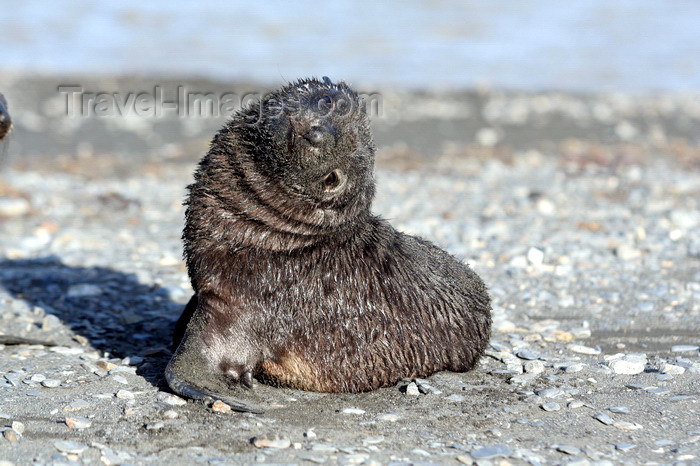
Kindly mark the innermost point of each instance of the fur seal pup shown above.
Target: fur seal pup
(297, 283)
(5, 121)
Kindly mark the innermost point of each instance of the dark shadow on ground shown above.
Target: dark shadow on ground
(111, 309)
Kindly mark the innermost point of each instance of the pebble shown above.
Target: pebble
(412, 389)
(575, 404)
(11, 435)
(76, 405)
(67, 350)
(275, 442)
(628, 364)
(425, 387)
(51, 383)
(534, 367)
(78, 422)
(170, 414)
(125, 395)
(535, 256)
(639, 386)
(684, 348)
(220, 407)
(493, 451)
(487, 137)
(155, 425)
(604, 418)
(69, 446)
(324, 448)
(572, 368)
(663, 443)
(581, 349)
(549, 392)
(359, 458)
(527, 355)
(353, 411)
(568, 449)
(311, 458)
(120, 379)
(499, 347)
(13, 206)
(625, 446)
(671, 369)
(388, 417)
(132, 361)
(106, 365)
(375, 440)
(18, 427)
(624, 425)
(170, 399)
(523, 379)
(627, 252)
(619, 410)
(627, 367)
(113, 457)
(551, 406)
(420, 452)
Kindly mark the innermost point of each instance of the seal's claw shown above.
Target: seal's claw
(188, 390)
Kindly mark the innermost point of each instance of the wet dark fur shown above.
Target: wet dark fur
(296, 282)
(5, 121)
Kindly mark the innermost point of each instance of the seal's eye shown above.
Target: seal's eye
(332, 180)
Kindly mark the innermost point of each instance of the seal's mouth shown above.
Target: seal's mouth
(188, 390)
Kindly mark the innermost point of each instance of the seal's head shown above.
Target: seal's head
(5, 121)
(310, 141)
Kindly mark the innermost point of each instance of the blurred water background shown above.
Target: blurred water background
(592, 45)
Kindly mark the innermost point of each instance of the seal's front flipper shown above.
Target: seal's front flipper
(213, 359)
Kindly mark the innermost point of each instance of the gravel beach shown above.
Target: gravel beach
(580, 212)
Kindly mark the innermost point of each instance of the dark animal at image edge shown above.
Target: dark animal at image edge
(297, 283)
(5, 126)
(5, 121)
